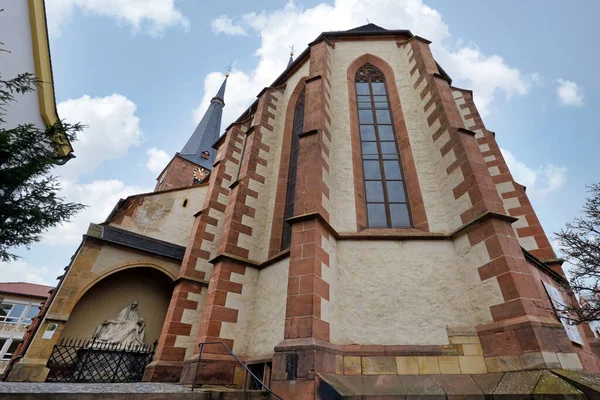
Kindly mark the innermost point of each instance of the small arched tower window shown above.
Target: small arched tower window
(385, 191)
(185, 203)
(286, 237)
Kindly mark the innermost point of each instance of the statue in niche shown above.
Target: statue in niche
(127, 328)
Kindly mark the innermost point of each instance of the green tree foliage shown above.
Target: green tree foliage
(29, 193)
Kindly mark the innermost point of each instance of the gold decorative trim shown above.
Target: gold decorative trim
(43, 70)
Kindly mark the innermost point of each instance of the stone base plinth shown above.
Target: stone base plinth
(29, 371)
(211, 371)
(163, 371)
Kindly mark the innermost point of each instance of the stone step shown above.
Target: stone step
(120, 391)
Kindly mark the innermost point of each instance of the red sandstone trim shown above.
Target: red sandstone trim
(534, 228)
(279, 209)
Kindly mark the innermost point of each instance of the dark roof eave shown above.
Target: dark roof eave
(2, 292)
(143, 243)
(333, 34)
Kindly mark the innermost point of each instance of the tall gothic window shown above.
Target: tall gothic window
(286, 237)
(385, 193)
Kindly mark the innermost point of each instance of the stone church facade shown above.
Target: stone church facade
(357, 219)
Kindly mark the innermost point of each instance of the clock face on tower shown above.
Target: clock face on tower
(199, 175)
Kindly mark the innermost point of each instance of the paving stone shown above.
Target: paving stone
(487, 382)
(472, 349)
(587, 383)
(533, 360)
(407, 365)
(503, 363)
(550, 384)
(569, 361)
(461, 330)
(379, 366)
(345, 385)
(517, 383)
(382, 385)
(551, 360)
(422, 385)
(428, 365)
(352, 366)
(339, 364)
(47, 387)
(460, 385)
(449, 365)
(464, 339)
(472, 364)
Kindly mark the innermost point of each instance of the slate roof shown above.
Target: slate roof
(207, 132)
(25, 289)
(140, 242)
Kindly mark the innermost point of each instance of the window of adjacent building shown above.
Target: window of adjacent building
(7, 347)
(385, 191)
(286, 237)
(18, 313)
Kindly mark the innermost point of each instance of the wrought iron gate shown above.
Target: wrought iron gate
(85, 360)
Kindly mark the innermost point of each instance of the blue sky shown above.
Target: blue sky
(140, 74)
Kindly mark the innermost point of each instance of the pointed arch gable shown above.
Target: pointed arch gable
(122, 267)
(413, 190)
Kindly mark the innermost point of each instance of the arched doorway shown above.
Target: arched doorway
(113, 358)
(103, 301)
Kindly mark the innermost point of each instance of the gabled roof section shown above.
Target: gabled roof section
(198, 148)
(136, 241)
(368, 28)
(25, 289)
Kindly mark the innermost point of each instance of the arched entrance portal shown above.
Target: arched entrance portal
(112, 357)
(103, 301)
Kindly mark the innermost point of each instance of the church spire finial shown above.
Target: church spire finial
(291, 55)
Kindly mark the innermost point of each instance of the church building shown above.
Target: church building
(357, 224)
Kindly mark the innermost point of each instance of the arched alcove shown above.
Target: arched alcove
(150, 287)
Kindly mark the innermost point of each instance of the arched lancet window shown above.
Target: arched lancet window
(385, 193)
(286, 237)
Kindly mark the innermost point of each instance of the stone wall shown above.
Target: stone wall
(167, 216)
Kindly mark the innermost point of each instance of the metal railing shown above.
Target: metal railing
(87, 360)
(262, 384)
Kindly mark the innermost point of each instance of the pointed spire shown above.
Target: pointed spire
(291, 56)
(221, 93)
(198, 148)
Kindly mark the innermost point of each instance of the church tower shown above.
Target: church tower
(192, 165)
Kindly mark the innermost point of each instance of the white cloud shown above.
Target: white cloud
(487, 75)
(157, 159)
(100, 196)
(569, 93)
(111, 128)
(541, 181)
(22, 271)
(224, 24)
(151, 16)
